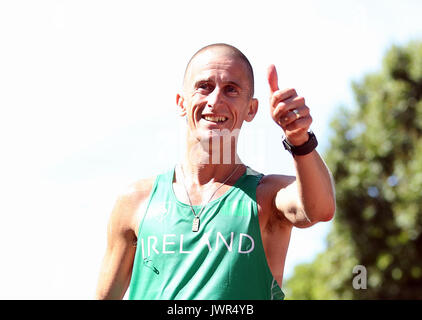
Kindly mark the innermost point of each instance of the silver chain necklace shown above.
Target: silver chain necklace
(196, 221)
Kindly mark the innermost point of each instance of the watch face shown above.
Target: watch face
(287, 146)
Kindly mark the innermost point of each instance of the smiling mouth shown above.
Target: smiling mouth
(215, 119)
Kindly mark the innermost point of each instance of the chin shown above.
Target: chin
(207, 135)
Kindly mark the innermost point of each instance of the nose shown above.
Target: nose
(214, 98)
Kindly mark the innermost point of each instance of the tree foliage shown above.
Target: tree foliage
(375, 157)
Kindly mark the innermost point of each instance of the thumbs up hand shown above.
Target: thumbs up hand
(288, 110)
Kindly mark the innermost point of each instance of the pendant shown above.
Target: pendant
(195, 224)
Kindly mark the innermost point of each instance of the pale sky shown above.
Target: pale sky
(87, 105)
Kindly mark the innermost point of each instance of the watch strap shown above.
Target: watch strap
(303, 149)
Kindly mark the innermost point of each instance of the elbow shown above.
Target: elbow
(329, 211)
(327, 217)
(323, 213)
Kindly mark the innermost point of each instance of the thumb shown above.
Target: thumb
(272, 78)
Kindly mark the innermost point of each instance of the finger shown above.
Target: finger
(293, 115)
(282, 95)
(272, 78)
(288, 105)
(299, 125)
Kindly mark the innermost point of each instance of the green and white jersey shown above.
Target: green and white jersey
(224, 260)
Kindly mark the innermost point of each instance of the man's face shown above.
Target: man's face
(217, 94)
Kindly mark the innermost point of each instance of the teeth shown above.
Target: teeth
(215, 119)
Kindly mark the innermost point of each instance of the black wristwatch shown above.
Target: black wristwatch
(303, 149)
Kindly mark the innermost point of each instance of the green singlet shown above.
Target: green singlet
(224, 260)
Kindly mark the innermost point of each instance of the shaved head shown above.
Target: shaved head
(225, 49)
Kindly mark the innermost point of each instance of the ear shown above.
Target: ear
(252, 110)
(180, 103)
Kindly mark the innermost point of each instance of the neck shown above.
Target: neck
(208, 161)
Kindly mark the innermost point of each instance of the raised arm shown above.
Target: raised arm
(309, 197)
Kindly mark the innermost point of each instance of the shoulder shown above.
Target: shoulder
(136, 192)
(268, 189)
(269, 181)
(272, 183)
(128, 203)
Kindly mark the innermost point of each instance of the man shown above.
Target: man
(213, 228)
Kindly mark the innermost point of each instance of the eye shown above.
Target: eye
(204, 86)
(232, 90)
